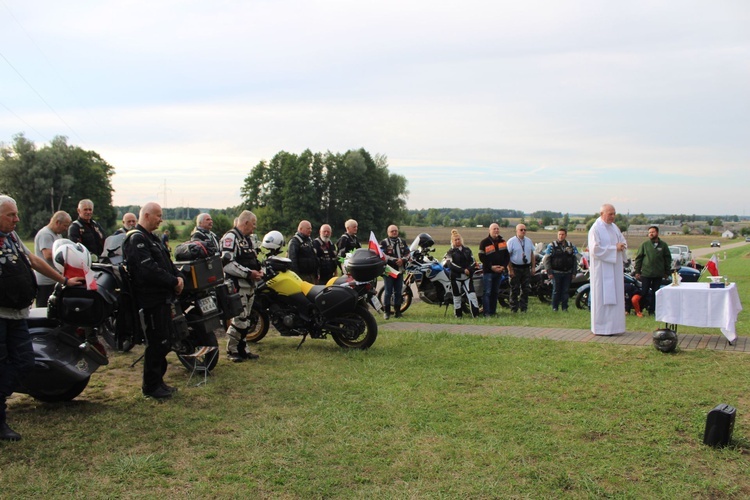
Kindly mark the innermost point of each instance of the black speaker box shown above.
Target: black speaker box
(719, 425)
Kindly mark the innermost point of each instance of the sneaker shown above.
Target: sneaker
(387, 315)
(158, 393)
(8, 434)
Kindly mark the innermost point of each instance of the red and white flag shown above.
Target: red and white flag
(713, 265)
(375, 247)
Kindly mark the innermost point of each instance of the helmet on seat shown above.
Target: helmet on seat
(74, 255)
(273, 240)
(665, 340)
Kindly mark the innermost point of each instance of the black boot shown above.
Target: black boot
(459, 313)
(243, 352)
(8, 434)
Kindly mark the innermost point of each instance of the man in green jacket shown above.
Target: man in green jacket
(653, 262)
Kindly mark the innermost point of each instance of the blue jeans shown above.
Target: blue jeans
(491, 282)
(16, 357)
(394, 286)
(560, 286)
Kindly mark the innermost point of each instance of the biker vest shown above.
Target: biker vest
(562, 258)
(244, 253)
(17, 281)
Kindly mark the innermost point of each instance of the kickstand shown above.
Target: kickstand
(137, 360)
(304, 337)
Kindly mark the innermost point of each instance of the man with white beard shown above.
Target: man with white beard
(607, 248)
(326, 253)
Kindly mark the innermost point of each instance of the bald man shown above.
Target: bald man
(607, 253)
(156, 283)
(43, 242)
(302, 253)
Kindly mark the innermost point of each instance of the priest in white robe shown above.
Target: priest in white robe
(607, 252)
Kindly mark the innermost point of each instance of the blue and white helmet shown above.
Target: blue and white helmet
(273, 240)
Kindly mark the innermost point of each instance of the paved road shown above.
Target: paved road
(636, 339)
(703, 252)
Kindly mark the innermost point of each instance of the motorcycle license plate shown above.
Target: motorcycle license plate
(376, 303)
(207, 305)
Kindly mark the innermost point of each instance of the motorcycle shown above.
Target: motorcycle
(206, 302)
(63, 338)
(431, 278)
(297, 308)
(687, 275)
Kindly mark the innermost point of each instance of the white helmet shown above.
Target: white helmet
(65, 252)
(274, 240)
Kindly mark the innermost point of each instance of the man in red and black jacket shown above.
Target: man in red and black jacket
(493, 253)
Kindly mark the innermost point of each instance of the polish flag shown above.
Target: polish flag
(713, 265)
(375, 247)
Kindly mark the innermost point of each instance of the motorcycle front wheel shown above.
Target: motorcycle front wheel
(63, 394)
(354, 330)
(259, 323)
(406, 297)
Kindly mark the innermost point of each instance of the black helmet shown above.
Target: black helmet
(665, 340)
(425, 240)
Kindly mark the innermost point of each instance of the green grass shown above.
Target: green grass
(420, 415)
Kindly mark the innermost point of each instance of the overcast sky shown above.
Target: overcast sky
(529, 105)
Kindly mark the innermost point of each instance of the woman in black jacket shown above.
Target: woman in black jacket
(461, 264)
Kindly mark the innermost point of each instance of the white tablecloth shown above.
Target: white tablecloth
(695, 304)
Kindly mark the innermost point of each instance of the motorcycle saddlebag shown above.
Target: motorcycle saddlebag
(336, 300)
(230, 302)
(365, 265)
(81, 307)
(202, 273)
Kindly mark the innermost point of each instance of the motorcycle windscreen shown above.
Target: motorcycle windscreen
(336, 300)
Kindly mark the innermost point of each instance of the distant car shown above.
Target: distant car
(687, 255)
(716, 243)
(677, 260)
(747, 239)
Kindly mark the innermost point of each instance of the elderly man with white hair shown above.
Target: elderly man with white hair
(607, 248)
(202, 232)
(17, 292)
(86, 230)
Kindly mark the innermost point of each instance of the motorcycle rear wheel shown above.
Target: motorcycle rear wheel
(190, 344)
(359, 329)
(67, 394)
(406, 298)
(259, 323)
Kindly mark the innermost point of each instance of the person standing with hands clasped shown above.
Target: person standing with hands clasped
(653, 262)
(521, 269)
(156, 282)
(396, 254)
(607, 252)
(493, 253)
(561, 263)
(462, 265)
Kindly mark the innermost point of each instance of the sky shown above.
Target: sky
(528, 105)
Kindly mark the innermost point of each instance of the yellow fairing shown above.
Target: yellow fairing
(288, 283)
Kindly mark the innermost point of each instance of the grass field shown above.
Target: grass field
(420, 415)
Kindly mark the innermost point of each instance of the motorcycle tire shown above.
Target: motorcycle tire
(67, 394)
(259, 324)
(545, 293)
(582, 300)
(190, 344)
(406, 297)
(360, 329)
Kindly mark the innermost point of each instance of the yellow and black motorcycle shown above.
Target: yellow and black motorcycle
(298, 308)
